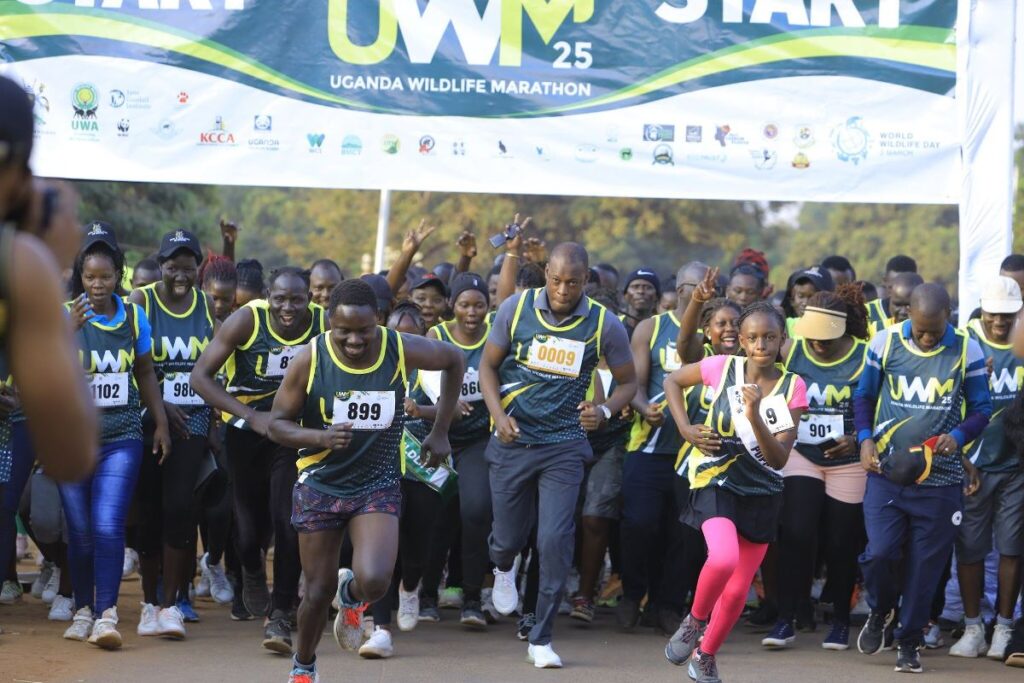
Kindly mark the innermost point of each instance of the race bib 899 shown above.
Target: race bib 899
(365, 410)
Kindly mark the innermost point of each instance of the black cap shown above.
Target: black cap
(644, 274)
(910, 465)
(17, 123)
(381, 289)
(817, 276)
(175, 241)
(429, 280)
(99, 232)
(465, 282)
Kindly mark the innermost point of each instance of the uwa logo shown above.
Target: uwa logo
(917, 389)
(828, 394)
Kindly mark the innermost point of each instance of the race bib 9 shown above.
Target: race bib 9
(817, 429)
(178, 390)
(278, 360)
(556, 355)
(109, 389)
(365, 410)
(774, 410)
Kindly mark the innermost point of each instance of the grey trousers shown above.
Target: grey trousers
(539, 482)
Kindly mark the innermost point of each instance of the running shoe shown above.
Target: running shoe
(149, 624)
(171, 623)
(45, 572)
(10, 593)
(451, 598)
(703, 668)
(238, 610)
(505, 593)
(908, 658)
(428, 610)
(782, 635)
(472, 614)
(628, 613)
(104, 631)
(683, 642)
(1000, 641)
(61, 609)
(871, 640)
(131, 563)
(933, 639)
(348, 627)
(184, 605)
(81, 625)
(838, 637)
(255, 595)
(52, 587)
(582, 609)
(525, 625)
(408, 608)
(668, 620)
(487, 605)
(378, 646)
(203, 586)
(543, 657)
(300, 675)
(971, 644)
(219, 587)
(277, 634)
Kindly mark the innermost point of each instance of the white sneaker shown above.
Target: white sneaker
(39, 585)
(171, 623)
(543, 657)
(61, 609)
(505, 594)
(487, 605)
(218, 586)
(104, 631)
(149, 620)
(1000, 640)
(408, 608)
(131, 563)
(10, 593)
(81, 625)
(971, 644)
(51, 587)
(379, 645)
(203, 586)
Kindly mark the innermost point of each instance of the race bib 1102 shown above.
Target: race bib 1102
(365, 410)
(556, 355)
(109, 389)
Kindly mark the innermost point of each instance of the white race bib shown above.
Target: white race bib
(109, 389)
(471, 386)
(430, 382)
(365, 410)
(774, 412)
(670, 361)
(278, 360)
(817, 429)
(178, 390)
(556, 355)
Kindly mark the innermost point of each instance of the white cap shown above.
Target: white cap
(1001, 294)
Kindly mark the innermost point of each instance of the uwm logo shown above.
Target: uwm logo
(179, 349)
(827, 395)
(500, 27)
(108, 361)
(1007, 381)
(916, 389)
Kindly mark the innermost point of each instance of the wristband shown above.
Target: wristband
(606, 411)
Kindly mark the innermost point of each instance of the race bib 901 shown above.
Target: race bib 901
(278, 360)
(178, 390)
(109, 389)
(817, 429)
(556, 355)
(365, 410)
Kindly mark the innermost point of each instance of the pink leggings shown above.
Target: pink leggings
(725, 580)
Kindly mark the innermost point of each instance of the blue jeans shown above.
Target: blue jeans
(10, 493)
(95, 510)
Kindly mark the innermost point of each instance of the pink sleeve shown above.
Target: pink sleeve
(799, 399)
(711, 369)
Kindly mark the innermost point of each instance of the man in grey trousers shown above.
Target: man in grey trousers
(536, 377)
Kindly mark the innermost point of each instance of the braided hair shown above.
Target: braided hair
(708, 310)
(217, 268)
(407, 309)
(848, 299)
(250, 276)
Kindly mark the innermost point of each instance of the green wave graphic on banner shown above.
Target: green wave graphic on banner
(918, 46)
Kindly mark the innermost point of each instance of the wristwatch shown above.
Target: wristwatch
(607, 412)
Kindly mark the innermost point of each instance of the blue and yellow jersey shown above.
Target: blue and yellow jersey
(548, 371)
(255, 369)
(830, 388)
(989, 452)
(372, 401)
(922, 395)
(878, 319)
(664, 359)
(733, 467)
(178, 340)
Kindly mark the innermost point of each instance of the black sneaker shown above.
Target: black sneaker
(525, 625)
(628, 613)
(428, 610)
(889, 641)
(764, 616)
(238, 610)
(908, 660)
(255, 594)
(871, 639)
(472, 614)
(277, 636)
(669, 620)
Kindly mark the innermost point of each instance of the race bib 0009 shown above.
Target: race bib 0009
(556, 355)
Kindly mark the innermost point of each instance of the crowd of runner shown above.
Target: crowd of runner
(528, 437)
